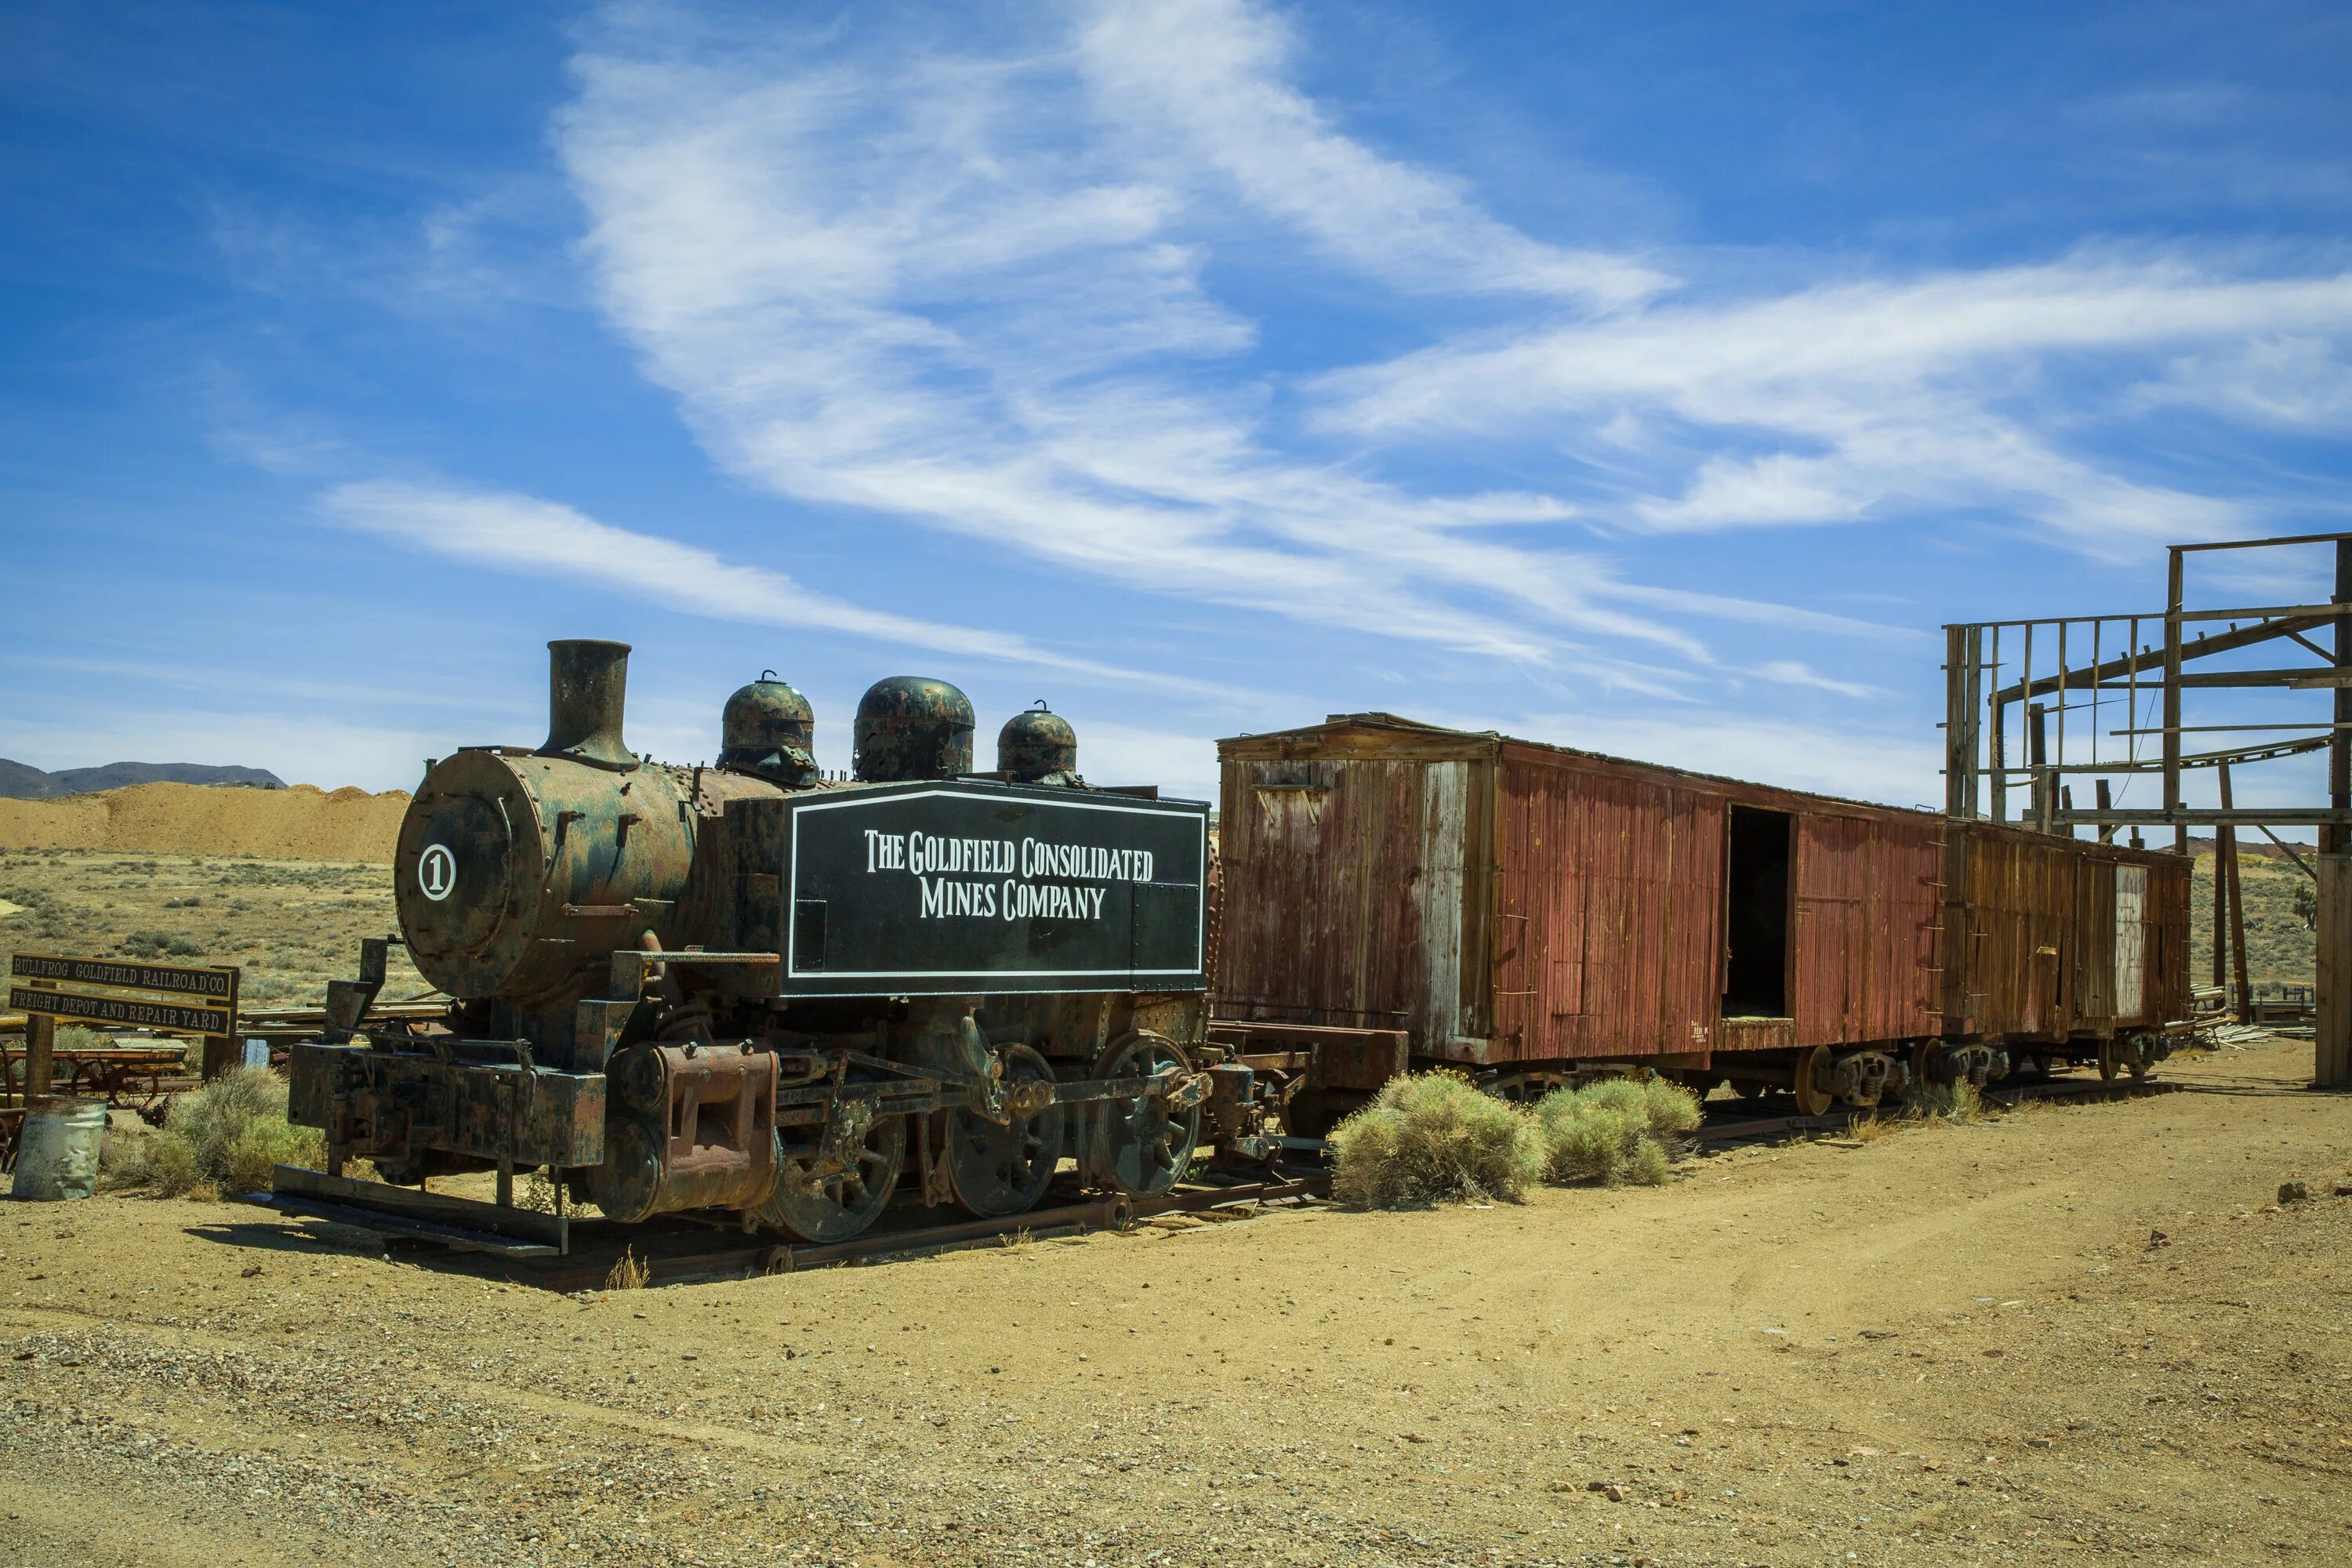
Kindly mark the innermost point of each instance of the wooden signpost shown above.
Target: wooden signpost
(172, 998)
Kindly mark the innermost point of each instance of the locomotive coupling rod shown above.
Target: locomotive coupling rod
(1188, 1089)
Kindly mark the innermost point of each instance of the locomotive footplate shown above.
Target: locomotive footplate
(893, 1090)
(395, 1106)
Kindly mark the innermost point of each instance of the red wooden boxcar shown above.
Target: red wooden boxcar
(1529, 912)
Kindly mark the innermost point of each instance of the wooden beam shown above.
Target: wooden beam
(2106, 802)
(2172, 697)
(40, 1046)
(2126, 666)
(2189, 816)
(2287, 849)
(1959, 735)
(2332, 1036)
(2229, 843)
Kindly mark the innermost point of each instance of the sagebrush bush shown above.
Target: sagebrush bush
(1432, 1138)
(1617, 1129)
(1960, 1102)
(227, 1137)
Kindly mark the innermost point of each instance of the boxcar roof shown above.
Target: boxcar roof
(1391, 737)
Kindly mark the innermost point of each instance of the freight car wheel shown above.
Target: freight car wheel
(1139, 1148)
(836, 1206)
(1813, 1098)
(2109, 1062)
(1000, 1170)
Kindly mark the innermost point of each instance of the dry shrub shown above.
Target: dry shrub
(1868, 1129)
(1619, 1130)
(1584, 1140)
(227, 1137)
(1431, 1137)
(1952, 1103)
(628, 1273)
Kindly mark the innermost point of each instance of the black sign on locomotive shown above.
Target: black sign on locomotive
(974, 889)
(747, 987)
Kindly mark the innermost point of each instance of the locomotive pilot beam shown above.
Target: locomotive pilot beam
(745, 988)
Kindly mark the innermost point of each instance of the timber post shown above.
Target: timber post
(40, 1049)
(2331, 1033)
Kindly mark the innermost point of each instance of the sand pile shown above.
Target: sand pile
(303, 823)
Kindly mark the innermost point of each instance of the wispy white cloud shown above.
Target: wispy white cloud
(2290, 383)
(1206, 84)
(1860, 400)
(971, 288)
(521, 532)
(1796, 672)
(875, 283)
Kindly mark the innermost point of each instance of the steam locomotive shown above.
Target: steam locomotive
(747, 987)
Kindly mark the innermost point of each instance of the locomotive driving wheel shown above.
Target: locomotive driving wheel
(1000, 1168)
(824, 1195)
(1137, 1145)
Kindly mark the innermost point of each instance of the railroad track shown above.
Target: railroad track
(1726, 1127)
(679, 1249)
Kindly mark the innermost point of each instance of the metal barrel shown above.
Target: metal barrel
(57, 1155)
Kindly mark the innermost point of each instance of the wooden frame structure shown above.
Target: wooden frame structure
(2006, 723)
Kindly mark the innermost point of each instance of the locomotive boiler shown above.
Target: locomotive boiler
(746, 988)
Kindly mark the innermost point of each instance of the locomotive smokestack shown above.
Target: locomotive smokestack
(588, 682)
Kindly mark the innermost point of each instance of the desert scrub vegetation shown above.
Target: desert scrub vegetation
(227, 1137)
(1433, 1137)
(1430, 1138)
(1944, 1102)
(1619, 1130)
(291, 926)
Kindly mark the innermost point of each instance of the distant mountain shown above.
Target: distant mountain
(19, 782)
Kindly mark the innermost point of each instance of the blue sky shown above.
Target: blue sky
(1653, 379)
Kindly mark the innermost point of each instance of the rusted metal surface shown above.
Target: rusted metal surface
(1356, 880)
(913, 727)
(686, 988)
(1038, 747)
(1326, 1056)
(1608, 922)
(141, 1077)
(769, 731)
(2044, 949)
(1867, 908)
(1505, 902)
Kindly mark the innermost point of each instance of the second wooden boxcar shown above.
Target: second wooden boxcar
(1528, 912)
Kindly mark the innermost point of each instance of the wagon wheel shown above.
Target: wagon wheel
(1000, 1170)
(1138, 1147)
(1811, 1099)
(2109, 1062)
(835, 1207)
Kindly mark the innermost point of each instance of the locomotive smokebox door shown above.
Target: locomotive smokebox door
(967, 888)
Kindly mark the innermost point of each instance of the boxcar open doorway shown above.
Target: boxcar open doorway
(1756, 913)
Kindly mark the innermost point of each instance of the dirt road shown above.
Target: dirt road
(2072, 1335)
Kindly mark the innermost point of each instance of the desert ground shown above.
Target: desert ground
(2069, 1335)
(290, 925)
